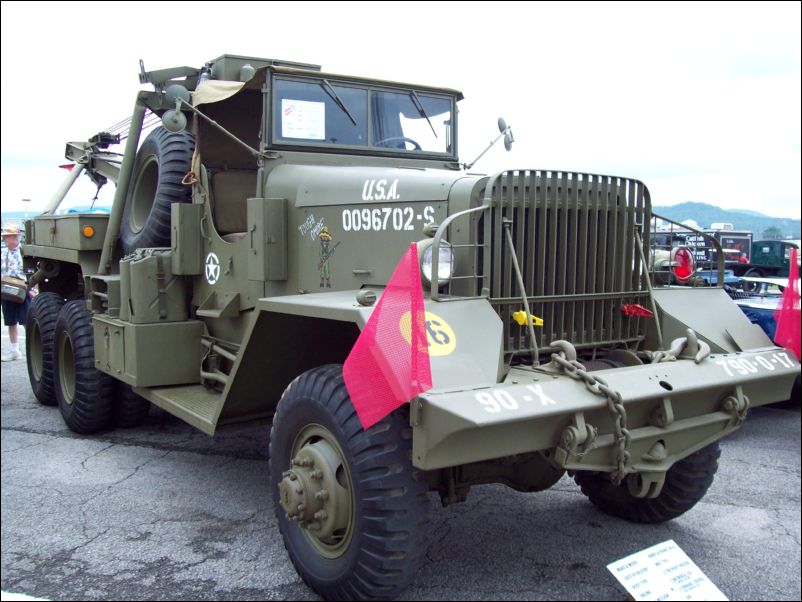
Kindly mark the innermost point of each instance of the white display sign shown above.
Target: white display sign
(303, 119)
(664, 572)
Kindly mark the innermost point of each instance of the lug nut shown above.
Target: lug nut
(317, 475)
(293, 477)
(321, 515)
(322, 495)
(301, 508)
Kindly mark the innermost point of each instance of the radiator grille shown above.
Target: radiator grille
(575, 240)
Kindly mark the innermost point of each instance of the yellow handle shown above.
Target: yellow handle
(520, 318)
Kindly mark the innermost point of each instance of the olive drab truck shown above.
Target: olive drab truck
(250, 236)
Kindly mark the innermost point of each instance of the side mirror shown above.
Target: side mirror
(508, 139)
(174, 121)
(507, 131)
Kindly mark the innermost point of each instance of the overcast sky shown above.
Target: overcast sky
(700, 101)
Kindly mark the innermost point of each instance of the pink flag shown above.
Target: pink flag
(389, 364)
(787, 314)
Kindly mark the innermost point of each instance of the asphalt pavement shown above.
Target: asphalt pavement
(164, 512)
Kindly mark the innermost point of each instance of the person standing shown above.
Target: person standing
(14, 314)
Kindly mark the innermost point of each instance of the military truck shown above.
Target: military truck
(770, 258)
(249, 238)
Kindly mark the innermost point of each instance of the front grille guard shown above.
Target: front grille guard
(577, 256)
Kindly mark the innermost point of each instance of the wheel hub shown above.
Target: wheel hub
(310, 493)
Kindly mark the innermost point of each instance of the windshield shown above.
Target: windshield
(323, 113)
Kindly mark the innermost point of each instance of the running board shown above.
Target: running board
(194, 404)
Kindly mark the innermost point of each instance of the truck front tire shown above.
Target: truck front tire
(322, 461)
(40, 328)
(84, 393)
(686, 483)
(161, 164)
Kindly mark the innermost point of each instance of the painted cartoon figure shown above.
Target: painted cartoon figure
(326, 251)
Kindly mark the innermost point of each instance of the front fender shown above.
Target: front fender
(465, 343)
(289, 335)
(464, 335)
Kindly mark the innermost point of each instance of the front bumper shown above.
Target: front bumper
(680, 404)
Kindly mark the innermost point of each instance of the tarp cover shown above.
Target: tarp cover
(389, 364)
(214, 91)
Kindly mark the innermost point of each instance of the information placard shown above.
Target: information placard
(303, 119)
(664, 572)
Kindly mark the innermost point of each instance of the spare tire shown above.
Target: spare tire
(161, 163)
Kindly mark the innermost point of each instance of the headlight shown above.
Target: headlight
(445, 259)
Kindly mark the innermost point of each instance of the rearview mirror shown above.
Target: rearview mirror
(508, 140)
(174, 121)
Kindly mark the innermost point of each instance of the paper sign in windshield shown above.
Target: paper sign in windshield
(303, 119)
(664, 572)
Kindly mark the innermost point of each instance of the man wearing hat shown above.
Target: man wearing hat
(14, 314)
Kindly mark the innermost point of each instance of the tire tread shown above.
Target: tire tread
(393, 497)
(686, 483)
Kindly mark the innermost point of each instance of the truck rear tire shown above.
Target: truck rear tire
(752, 287)
(129, 409)
(686, 483)
(84, 393)
(367, 538)
(161, 163)
(40, 327)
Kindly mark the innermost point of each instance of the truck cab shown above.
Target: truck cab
(773, 254)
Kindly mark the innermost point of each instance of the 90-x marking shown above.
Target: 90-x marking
(501, 399)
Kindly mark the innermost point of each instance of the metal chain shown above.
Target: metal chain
(598, 386)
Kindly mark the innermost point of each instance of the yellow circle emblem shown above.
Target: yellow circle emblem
(440, 336)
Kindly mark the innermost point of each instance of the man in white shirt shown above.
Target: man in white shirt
(14, 314)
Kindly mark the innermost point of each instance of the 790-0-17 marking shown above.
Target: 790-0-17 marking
(744, 366)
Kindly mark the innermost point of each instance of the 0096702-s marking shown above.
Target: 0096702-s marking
(378, 219)
(743, 365)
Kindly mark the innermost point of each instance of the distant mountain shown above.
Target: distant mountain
(16, 215)
(705, 214)
(747, 211)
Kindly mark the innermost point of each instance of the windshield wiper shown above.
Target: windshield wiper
(419, 105)
(328, 89)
